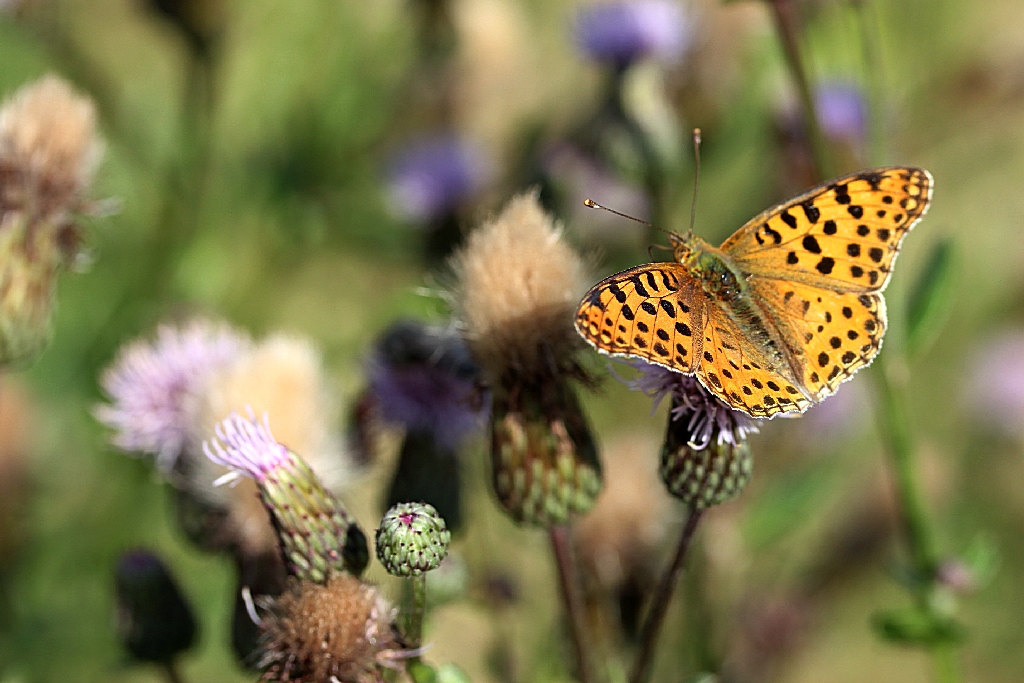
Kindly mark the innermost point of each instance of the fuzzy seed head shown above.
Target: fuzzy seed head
(340, 631)
(518, 284)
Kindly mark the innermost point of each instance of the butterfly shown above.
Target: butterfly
(781, 314)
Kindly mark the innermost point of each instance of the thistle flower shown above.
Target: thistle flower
(842, 111)
(48, 154)
(412, 539)
(518, 283)
(283, 376)
(622, 32)
(152, 387)
(705, 459)
(425, 380)
(433, 175)
(318, 536)
(337, 631)
(154, 621)
(995, 384)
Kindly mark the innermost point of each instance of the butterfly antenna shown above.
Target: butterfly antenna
(591, 204)
(696, 177)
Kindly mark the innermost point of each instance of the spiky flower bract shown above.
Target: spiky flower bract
(518, 283)
(152, 386)
(339, 631)
(705, 459)
(318, 536)
(49, 151)
(412, 539)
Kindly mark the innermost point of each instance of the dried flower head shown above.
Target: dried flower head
(48, 154)
(152, 386)
(622, 32)
(517, 290)
(339, 631)
(283, 376)
(519, 282)
(317, 534)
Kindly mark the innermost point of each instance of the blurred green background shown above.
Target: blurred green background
(251, 185)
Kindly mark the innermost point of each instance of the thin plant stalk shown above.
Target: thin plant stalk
(414, 624)
(786, 23)
(173, 672)
(568, 579)
(660, 601)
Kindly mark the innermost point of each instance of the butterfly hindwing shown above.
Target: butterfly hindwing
(653, 311)
(843, 235)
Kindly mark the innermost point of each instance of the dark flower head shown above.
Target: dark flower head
(431, 176)
(424, 378)
(842, 110)
(623, 32)
(154, 621)
(708, 420)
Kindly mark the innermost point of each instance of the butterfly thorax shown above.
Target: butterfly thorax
(711, 268)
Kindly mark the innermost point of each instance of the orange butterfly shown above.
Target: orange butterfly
(784, 311)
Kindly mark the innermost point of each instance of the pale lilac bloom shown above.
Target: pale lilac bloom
(246, 447)
(708, 418)
(995, 389)
(842, 110)
(621, 32)
(151, 385)
(431, 176)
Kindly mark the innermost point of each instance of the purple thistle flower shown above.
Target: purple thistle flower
(151, 383)
(622, 32)
(709, 420)
(425, 379)
(246, 447)
(431, 176)
(842, 110)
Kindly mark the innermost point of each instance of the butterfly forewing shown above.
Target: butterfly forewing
(652, 311)
(843, 235)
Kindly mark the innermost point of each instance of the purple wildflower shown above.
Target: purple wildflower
(842, 110)
(431, 176)
(995, 391)
(622, 32)
(246, 447)
(708, 419)
(425, 379)
(151, 385)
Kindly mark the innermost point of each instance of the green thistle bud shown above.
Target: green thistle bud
(706, 477)
(545, 467)
(317, 534)
(412, 539)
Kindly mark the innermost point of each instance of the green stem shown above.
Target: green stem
(172, 672)
(660, 601)
(875, 79)
(787, 25)
(572, 599)
(414, 623)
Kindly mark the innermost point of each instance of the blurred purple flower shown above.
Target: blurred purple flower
(709, 419)
(151, 384)
(622, 32)
(246, 447)
(841, 413)
(995, 390)
(432, 175)
(842, 110)
(424, 378)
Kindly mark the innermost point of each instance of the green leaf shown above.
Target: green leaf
(914, 626)
(982, 558)
(932, 298)
(422, 673)
(449, 673)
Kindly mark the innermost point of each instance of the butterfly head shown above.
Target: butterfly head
(683, 245)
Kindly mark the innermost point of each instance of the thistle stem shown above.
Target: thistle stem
(660, 601)
(573, 601)
(414, 624)
(787, 25)
(172, 672)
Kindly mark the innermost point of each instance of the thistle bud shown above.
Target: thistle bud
(412, 539)
(318, 536)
